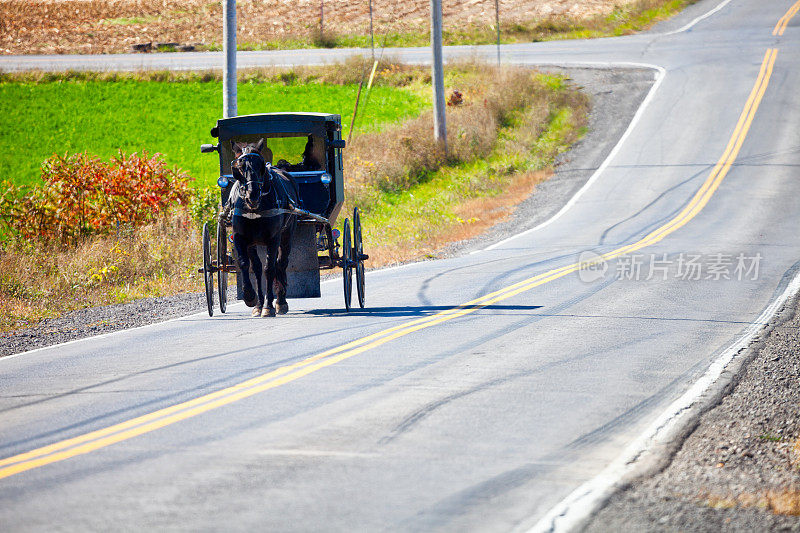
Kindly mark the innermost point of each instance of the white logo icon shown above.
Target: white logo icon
(592, 267)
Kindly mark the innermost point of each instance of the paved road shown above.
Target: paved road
(416, 414)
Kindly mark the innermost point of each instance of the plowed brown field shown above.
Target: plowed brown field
(109, 26)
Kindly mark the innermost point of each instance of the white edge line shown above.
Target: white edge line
(660, 75)
(698, 19)
(579, 505)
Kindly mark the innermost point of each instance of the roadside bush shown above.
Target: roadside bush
(204, 205)
(82, 195)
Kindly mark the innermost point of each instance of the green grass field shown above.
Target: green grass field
(101, 117)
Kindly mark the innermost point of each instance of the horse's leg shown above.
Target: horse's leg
(243, 257)
(257, 270)
(283, 264)
(272, 253)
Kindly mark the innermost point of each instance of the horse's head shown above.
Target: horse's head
(250, 169)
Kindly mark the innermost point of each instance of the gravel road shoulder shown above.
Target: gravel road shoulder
(616, 95)
(739, 470)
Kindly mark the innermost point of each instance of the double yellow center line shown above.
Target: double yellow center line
(163, 417)
(780, 27)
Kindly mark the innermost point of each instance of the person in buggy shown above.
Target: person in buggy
(307, 163)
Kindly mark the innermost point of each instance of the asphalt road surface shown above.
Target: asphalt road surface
(473, 393)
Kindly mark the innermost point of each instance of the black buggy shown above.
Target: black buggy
(314, 141)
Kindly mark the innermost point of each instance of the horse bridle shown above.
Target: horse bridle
(235, 166)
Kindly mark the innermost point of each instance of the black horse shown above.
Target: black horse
(260, 197)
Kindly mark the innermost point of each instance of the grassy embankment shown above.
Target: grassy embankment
(503, 139)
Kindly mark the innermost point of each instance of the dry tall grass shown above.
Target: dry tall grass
(41, 281)
(400, 156)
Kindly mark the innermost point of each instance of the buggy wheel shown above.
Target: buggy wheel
(347, 264)
(358, 257)
(208, 275)
(222, 265)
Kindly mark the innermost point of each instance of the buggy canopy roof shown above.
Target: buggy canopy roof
(277, 125)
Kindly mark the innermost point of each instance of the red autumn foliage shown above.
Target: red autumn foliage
(82, 195)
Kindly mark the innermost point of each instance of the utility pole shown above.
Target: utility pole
(321, 21)
(439, 123)
(229, 99)
(371, 34)
(497, 23)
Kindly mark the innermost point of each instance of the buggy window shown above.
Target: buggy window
(288, 148)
